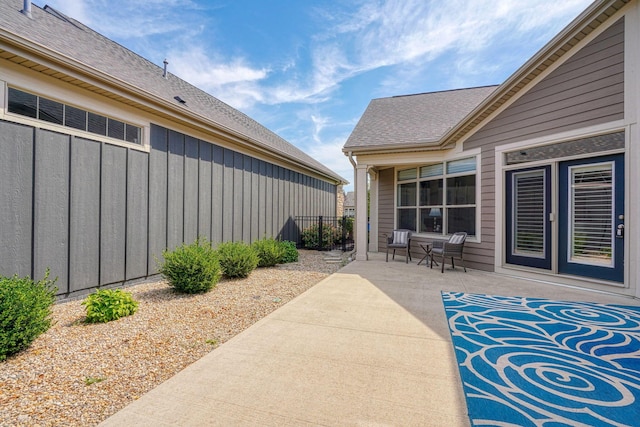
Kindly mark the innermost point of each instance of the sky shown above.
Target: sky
(308, 69)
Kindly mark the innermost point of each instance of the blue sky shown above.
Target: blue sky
(308, 69)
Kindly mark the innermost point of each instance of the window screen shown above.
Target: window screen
(51, 111)
(23, 103)
(75, 118)
(37, 107)
(115, 129)
(97, 124)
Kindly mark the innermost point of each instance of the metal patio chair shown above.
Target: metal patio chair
(449, 249)
(399, 239)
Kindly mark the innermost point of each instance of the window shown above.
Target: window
(50, 111)
(23, 103)
(75, 118)
(438, 198)
(37, 107)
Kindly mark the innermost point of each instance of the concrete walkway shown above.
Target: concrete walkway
(368, 346)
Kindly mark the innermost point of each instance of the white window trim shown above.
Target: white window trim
(500, 262)
(144, 146)
(458, 156)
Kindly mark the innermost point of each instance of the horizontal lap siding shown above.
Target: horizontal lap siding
(586, 90)
(385, 207)
(98, 214)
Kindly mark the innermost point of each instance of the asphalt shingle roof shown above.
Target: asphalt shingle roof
(70, 38)
(350, 199)
(421, 119)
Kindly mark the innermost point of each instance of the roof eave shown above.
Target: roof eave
(433, 145)
(597, 13)
(39, 53)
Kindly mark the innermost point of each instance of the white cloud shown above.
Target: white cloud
(330, 154)
(404, 34)
(319, 123)
(403, 38)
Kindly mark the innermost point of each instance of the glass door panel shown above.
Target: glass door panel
(528, 229)
(590, 223)
(591, 208)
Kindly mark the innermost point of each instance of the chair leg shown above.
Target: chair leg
(453, 266)
(393, 257)
(431, 259)
(387, 260)
(406, 258)
(443, 260)
(463, 266)
(409, 252)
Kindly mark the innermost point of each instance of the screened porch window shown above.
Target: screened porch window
(438, 198)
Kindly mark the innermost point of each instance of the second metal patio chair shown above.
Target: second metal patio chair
(449, 249)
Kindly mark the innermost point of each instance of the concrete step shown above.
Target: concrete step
(333, 257)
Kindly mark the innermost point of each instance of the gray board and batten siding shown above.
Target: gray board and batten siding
(586, 90)
(99, 214)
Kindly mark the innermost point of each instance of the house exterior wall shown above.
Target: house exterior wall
(98, 214)
(587, 90)
(385, 206)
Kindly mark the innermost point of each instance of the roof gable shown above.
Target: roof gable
(414, 120)
(388, 127)
(599, 12)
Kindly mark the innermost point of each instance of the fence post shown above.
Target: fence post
(344, 233)
(320, 242)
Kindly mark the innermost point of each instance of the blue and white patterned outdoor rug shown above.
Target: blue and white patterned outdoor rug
(538, 362)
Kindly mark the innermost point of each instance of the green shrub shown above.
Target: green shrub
(311, 238)
(289, 252)
(191, 269)
(237, 259)
(268, 250)
(25, 307)
(106, 305)
(347, 224)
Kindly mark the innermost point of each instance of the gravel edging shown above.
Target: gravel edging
(79, 374)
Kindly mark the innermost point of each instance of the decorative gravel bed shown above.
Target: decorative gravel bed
(79, 374)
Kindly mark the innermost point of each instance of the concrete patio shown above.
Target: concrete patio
(368, 346)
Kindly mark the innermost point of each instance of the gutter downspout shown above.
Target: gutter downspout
(355, 185)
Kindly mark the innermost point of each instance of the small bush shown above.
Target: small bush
(268, 250)
(25, 307)
(191, 269)
(237, 259)
(106, 305)
(311, 238)
(289, 252)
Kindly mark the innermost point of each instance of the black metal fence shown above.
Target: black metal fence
(325, 233)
